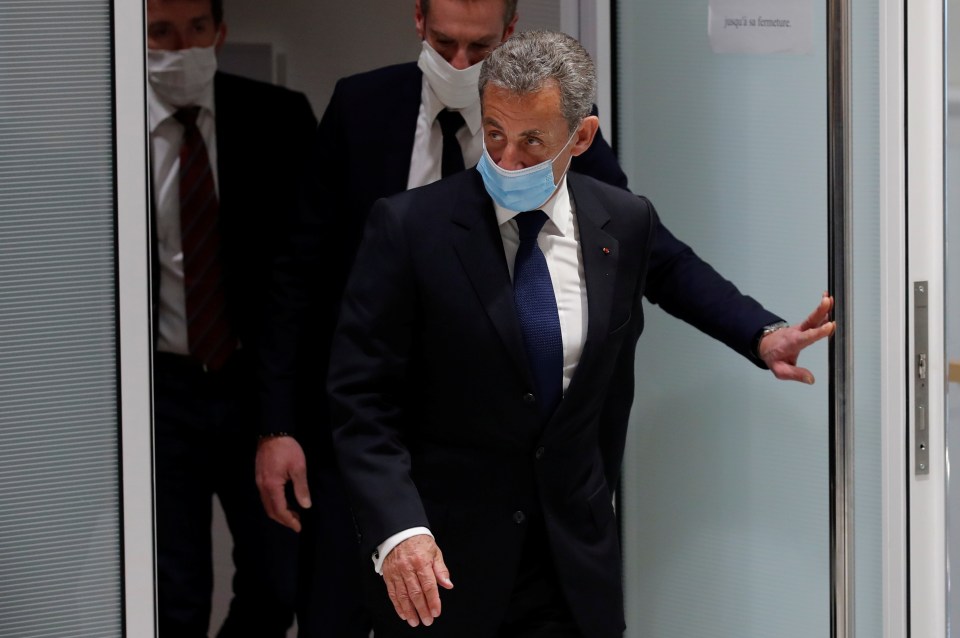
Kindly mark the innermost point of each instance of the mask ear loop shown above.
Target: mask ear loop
(576, 130)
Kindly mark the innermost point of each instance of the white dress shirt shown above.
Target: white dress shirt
(559, 239)
(427, 154)
(166, 137)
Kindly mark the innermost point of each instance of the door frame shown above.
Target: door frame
(912, 117)
(924, 215)
(133, 289)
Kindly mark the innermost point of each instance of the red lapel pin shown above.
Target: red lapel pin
(606, 251)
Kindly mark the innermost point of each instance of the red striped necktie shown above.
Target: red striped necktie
(209, 336)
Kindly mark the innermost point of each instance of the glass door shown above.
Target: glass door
(726, 495)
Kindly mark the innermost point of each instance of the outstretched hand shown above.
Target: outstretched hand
(780, 349)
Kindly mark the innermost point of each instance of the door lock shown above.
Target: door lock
(921, 431)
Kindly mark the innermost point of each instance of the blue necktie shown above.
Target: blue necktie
(537, 311)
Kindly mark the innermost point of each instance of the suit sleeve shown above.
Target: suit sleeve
(370, 360)
(306, 281)
(691, 290)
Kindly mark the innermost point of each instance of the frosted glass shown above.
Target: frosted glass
(725, 497)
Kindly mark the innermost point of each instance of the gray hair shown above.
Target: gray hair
(528, 61)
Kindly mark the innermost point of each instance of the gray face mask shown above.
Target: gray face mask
(180, 77)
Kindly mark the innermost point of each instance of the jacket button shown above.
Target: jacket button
(539, 453)
(529, 399)
(519, 517)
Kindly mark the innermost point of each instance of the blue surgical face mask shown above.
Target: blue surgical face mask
(521, 190)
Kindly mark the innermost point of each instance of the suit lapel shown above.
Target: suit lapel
(600, 253)
(227, 139)
(480, 249)
(401, 127)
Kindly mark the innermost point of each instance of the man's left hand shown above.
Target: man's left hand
(780, 349)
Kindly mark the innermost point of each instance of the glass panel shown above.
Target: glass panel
(59, 490)
(726, 497)
(865, 157)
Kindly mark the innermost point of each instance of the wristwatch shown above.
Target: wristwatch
(767, 330)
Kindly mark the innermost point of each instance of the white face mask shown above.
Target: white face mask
(456, 88)
(180, 77)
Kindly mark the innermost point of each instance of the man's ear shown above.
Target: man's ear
(508, 31)
(221, 36)
(419, 20)
(585, 134)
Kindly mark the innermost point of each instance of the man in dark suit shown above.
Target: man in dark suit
(382, 132)
(226, 153)
(482, 372)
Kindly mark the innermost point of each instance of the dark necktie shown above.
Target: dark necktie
(209, 337)
(537, 311)
(450, 123)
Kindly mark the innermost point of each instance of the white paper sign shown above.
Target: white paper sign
(761, 26)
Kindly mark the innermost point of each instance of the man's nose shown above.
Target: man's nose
(511, 158)
(460, 60)
(175, 41)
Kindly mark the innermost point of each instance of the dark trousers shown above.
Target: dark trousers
(204, 444)
(330, 598)
(538, 607)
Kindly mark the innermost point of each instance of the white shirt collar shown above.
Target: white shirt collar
(557, 208)
(159, 110)
(432, 106)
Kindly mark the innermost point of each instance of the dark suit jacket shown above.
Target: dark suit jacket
(263, 140)
(428, 378)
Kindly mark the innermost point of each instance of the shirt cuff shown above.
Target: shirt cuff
(387, 546)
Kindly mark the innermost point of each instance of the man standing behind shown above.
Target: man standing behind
(226, 153)
(482, 372)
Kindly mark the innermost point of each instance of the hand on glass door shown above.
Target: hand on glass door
(780, 348)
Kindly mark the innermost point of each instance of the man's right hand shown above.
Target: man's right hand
(411, 572)
(281, 459)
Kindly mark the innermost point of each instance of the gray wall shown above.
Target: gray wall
(322, 41)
